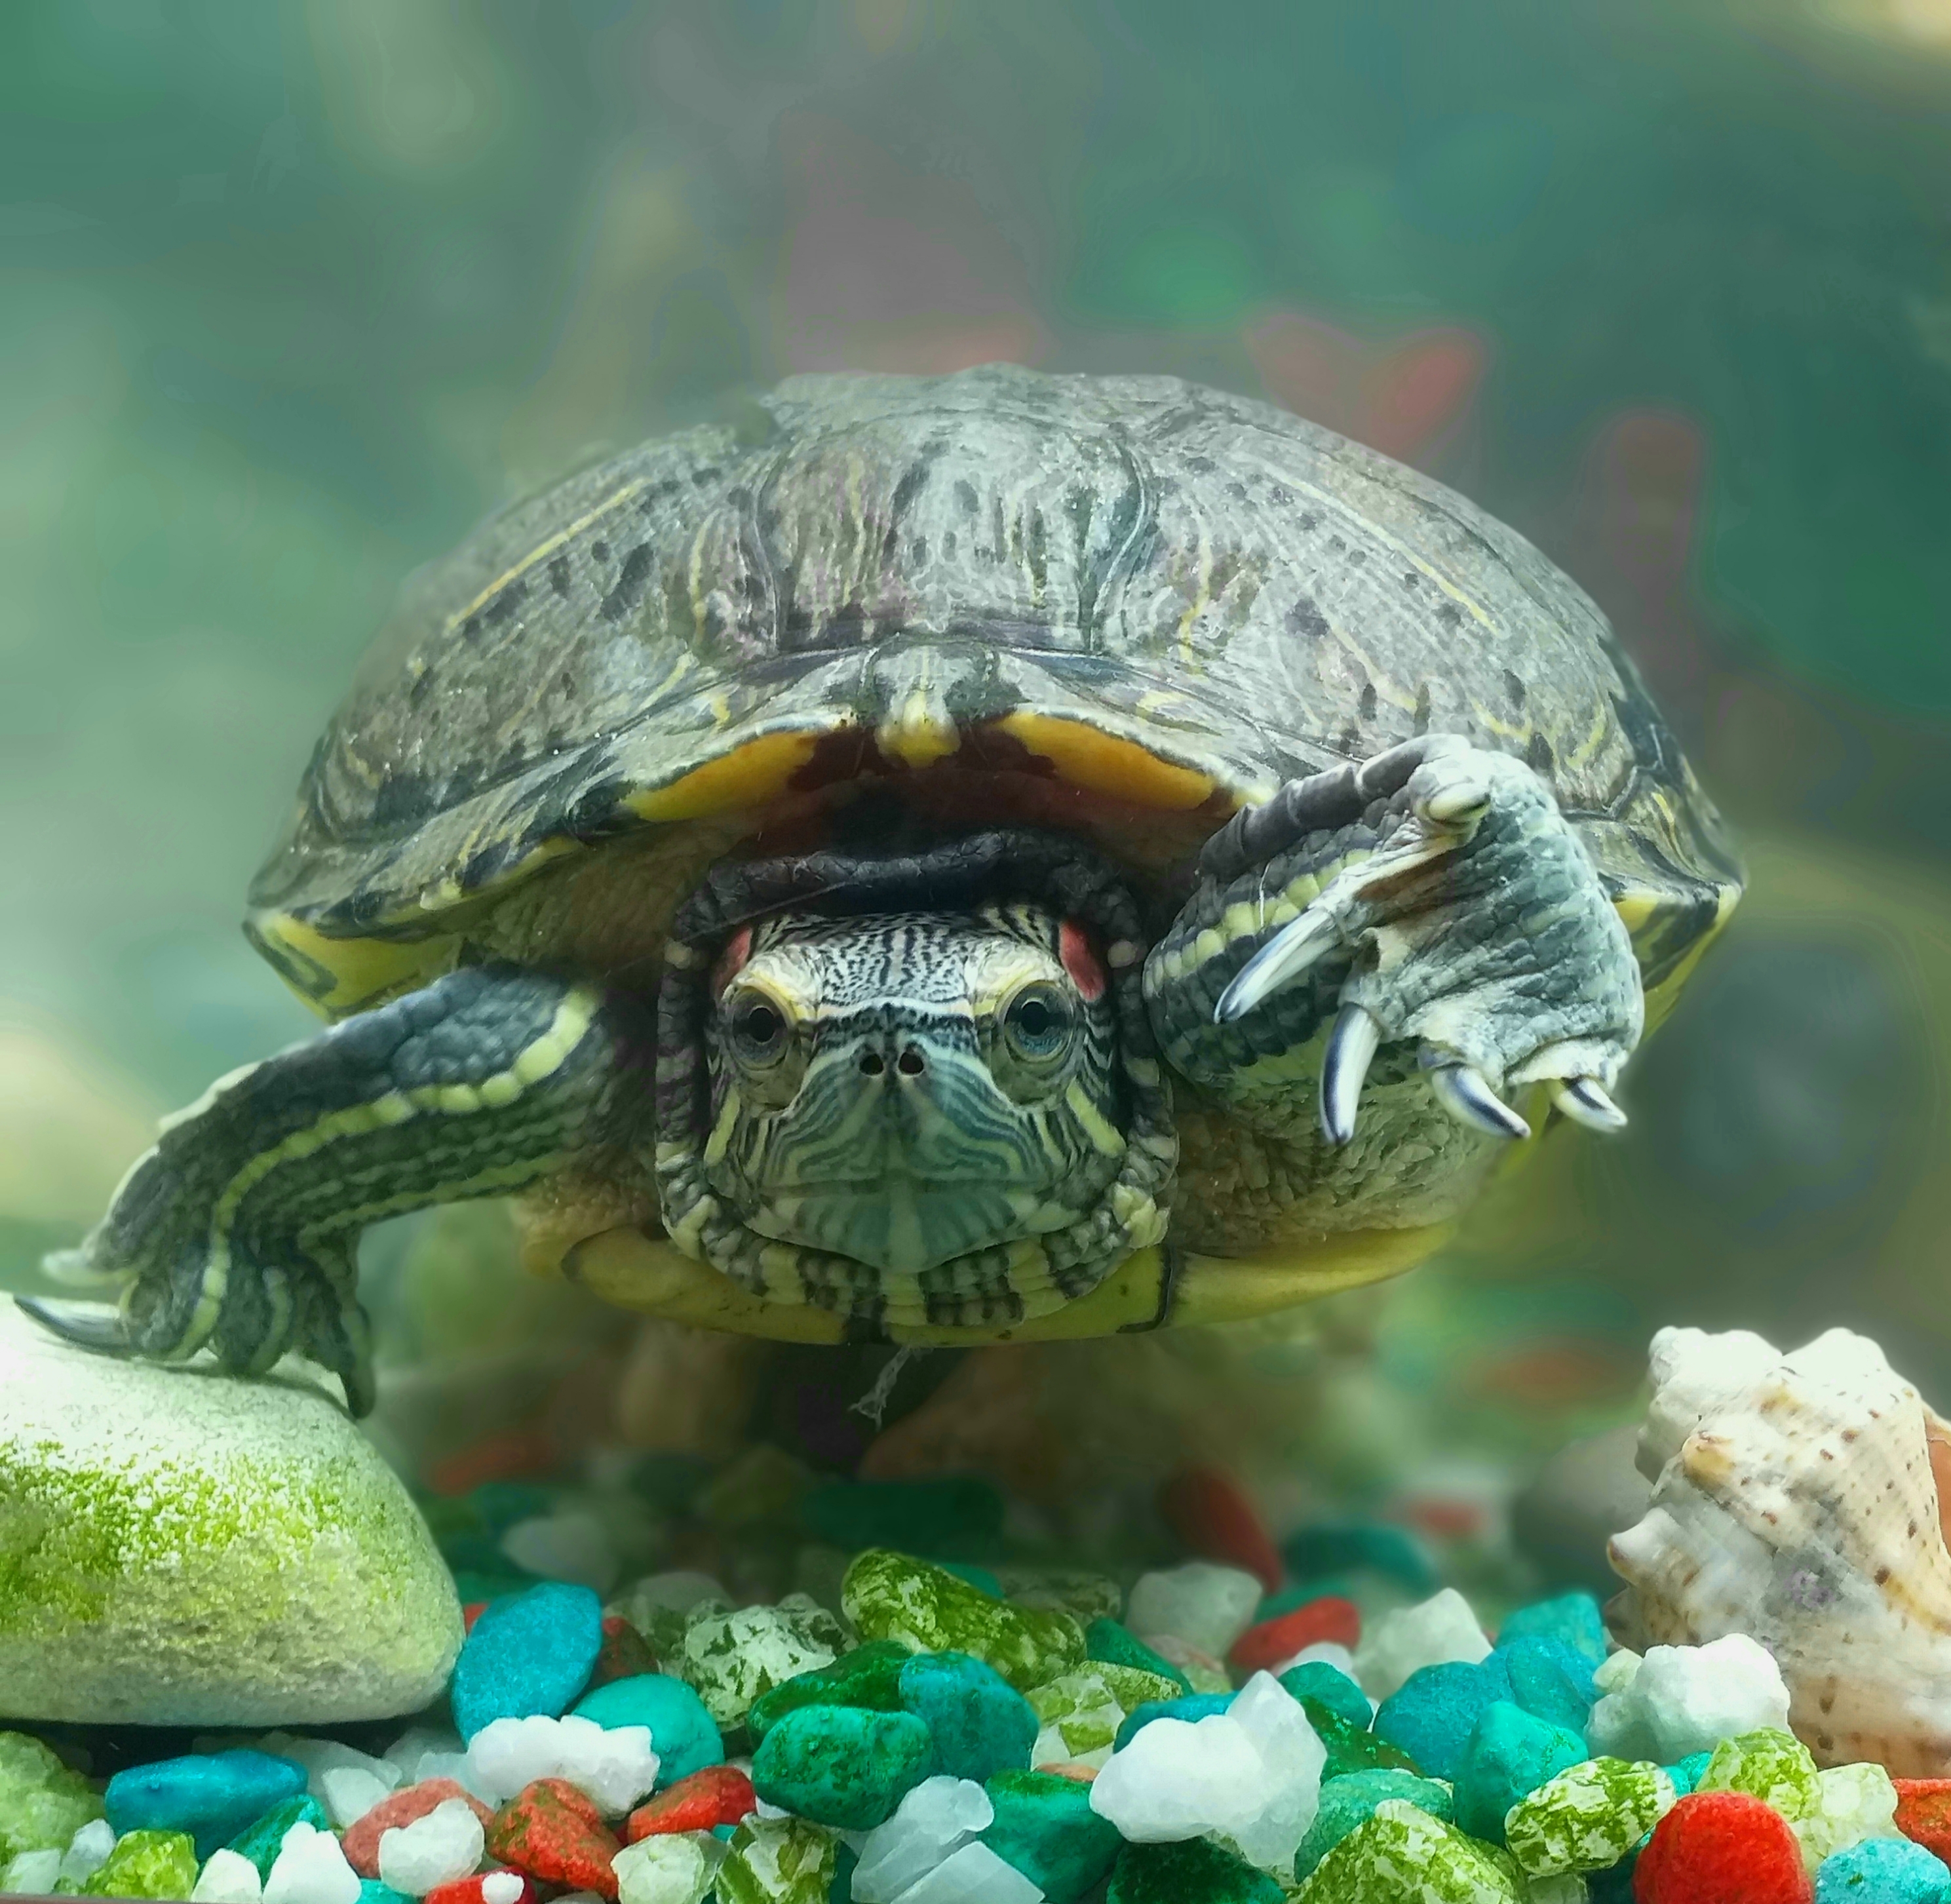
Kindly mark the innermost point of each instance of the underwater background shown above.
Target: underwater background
(291, 295)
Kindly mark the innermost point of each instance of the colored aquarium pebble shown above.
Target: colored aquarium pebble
(1352, 1800)
(1354, 1748)
(1588, 1817)
(673, 1868)
(402, 1808)
(1433, 1714)
(1853, 1802)
(1722, 1848)
(868, 1677)
(211, 1795)
(685, 1734)
(1273, 1643)
(552, 1831)
(1574, 1619)
(42, 1803)
(1044, 1827)
(1402, 1856)
(890, 1596)
(839, 1766)
(732, 1658)
(1882, 1870)
(1773, 1766)
(981, 1725)
(1112, 1643)
(260, 1839)
(1194, 1871)
(718, 1795)
(146, 1864)
(1509, 1755)
(1190, 1706)
(1329, 1686)
(779, 1861)
(1216, 1519)
(529, 1655)
(1923, 1813)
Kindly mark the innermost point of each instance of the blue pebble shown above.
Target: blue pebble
(1316, 1679)
(1509, 1755)
(1549, 1680)
(981, 1724)
(1431, 1717)
(1192, 1708)
(1687, 1774)
(1882, 1870)
(213, 1795)
(529, 1655)
(685, 1736)
(1572, 1619)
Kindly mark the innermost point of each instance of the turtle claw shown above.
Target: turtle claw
(1300, 944)
(1351, 1046)
(1465, 1093)
(1584, 1100)
(89, 1325)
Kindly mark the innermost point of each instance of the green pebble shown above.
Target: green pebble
(1351, 1801)
(259, 1840)
(147, 1864)
(1089, 1707)
(839, 1766)
(949, 1518)
(1509, 1754)
(1316, 1680)
(1111, 1644)
(981, 1725)
(1588, 1817)
(890, 1596)
(779, 1861)
(1045, 1827)
(1354, 1748)
(42, 1803)
(1770, 1764)
(1193, 1871)
(868, 1677)
(1402, 1855)
(732, 1659)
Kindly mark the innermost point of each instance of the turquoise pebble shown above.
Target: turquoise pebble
(1509, 1755)
(981, 1578)
(1112, 1644)
(211, 1796)
(956, 1515)
(683, 1735)
(1346, 1547)
(1193, 1707)
(1882, 1870)
(1194, 1870)
(372, 1891)
(1315, 1679)
(1351, 1801)
(981, 1725)
(1574, 1619)
(1045, 1827)
(1687, 1774)
(527, 1655)
(260, 1839)
(840, 1766)
(1431, 1717)
(1548, 1679)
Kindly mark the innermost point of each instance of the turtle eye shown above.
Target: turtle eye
(1038, 1024)
(758, 1028)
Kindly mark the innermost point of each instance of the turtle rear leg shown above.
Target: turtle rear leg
(239, 1230)
(1433, 901)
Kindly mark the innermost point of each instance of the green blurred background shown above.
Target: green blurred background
(291, 294)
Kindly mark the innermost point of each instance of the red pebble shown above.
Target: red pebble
(516, 1454)
(1722, 1848)
(626, 1652)
(1281, 1637)
(718, 1795)
(1923, 1813)
(467, 1890)
(1210, 1512)
(361, 1842)
(554, 1832)
(470, 1613)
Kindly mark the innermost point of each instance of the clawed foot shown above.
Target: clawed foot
(1476, 928)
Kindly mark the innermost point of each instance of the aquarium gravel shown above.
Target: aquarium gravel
(901, 1730)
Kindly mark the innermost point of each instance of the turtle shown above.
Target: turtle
(977, 858)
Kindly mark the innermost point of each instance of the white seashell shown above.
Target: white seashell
(1796, 1500)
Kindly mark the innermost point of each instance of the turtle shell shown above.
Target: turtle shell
(1127, 603)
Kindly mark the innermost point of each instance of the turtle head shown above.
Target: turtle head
(903, 1089)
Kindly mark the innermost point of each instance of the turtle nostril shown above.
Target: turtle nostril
(872, 1065)
(911, 1063)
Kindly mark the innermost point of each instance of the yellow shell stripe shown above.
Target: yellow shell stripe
(539, 1059)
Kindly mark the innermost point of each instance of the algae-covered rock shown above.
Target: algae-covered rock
(42, 1803)
(179, 1547)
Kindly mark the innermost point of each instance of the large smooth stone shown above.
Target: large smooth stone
(179, 1547)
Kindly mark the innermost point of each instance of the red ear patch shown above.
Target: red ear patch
(732, 960)
(1073, 948)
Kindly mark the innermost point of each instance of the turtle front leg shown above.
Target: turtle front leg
(1433, 900)
(239, 1230)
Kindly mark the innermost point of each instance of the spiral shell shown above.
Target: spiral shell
(1796, 1500)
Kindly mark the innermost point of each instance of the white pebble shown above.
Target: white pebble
(1291, 1759)
(436, 1849)
(1685, 1700)
(501, 1887)
(574, 1546)
(1181, 1779)
(934, 1820)
(349, 1792)
(1434, 1633)
(88, 1851)
(973, 1875)
(1328, 1652)
(1615, 1673)
(32, 1874)
(677, 1592)
(1853, 1802)
(457, 1766)
(1209, 1606)
(404, 1754)
(319, 1756)
(667, 1867)
(311, 1869)
(228, 1877)
(615, 1766)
